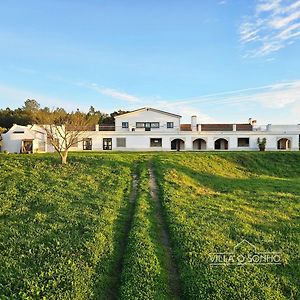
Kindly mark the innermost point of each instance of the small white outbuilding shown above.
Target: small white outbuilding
(25, 139)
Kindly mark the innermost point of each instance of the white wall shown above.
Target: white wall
(140, 140)
(12, 142)
(147, 116)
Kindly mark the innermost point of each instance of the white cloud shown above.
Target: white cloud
(280, 22)
(273, 25)
(274, 96)
(268, 5)
(113, 93)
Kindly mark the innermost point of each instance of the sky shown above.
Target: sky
(222, 60)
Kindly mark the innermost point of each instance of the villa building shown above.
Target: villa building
(149, 129)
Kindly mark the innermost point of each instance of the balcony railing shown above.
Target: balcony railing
(104, 127)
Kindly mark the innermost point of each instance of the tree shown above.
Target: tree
(92, 110)
(262, 144)
(29, 110)
(110, 119)
(31, 105)
(8, 117)
(65, 130)
(2, 130)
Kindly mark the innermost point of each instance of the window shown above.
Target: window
(243, 142)
(87, 144)
(154, 125)
(170, 124)
(155, 142)
(107, 144)
(147, 125)
(121, 142)
(124, 124)
(18, 131)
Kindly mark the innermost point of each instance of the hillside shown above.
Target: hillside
(98, 228)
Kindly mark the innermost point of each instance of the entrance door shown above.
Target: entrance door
(26, 146)
(177, 144)
(107, 144)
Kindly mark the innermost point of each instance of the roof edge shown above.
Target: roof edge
(148, 108)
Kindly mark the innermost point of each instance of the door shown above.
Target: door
(27, 146)
(107, 144)
(147, 126)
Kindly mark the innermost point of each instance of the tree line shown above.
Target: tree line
(31, 112)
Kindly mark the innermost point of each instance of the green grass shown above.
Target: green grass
(214, 201)
(60, 226)
(144, 276)
(63, 228)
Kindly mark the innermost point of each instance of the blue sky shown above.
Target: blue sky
(223, 60)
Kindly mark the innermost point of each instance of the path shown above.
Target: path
(113, 292)
(173, 276)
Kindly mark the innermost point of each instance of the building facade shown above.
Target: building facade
(149, 129)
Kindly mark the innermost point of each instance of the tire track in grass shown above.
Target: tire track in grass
(144, 275)
(172, 271)
(113, 292)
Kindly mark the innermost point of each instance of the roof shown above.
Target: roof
(185, 127)
(24, 131)
(147, 109)
(225, 127)
(38, 128)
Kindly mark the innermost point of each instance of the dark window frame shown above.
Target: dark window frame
(87, 144)
(154, 124)
(170, 124)
(125, 124)
(147, 125)
(243, 139)
(107, 143)
(153, 144)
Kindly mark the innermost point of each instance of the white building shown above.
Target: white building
(25, 139)
(149, 129)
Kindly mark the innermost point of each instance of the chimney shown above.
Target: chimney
(194, 123)
(97, 127)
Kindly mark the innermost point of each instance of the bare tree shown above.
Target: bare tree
(65, 130)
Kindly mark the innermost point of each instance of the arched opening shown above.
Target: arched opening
(221, 144)
(177, 144)
(284, 144)
(199, 144)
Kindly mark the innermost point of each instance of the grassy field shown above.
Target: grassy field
(78, 231)
(214, 201)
